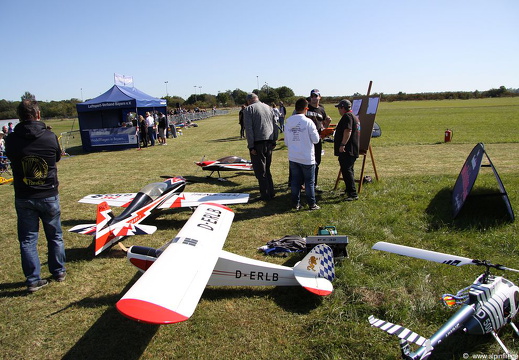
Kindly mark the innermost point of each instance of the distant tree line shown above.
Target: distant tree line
(451, 95)
(237, 97)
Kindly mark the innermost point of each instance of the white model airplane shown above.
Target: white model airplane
(175, 278)
(110, 229)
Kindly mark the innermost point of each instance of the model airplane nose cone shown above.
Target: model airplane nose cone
(148, 312)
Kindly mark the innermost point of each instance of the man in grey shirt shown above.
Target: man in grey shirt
(262, 133)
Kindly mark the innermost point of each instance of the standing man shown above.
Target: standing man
(34, 151)
(346, 146)
(300, 137)
(262, 134)
(150, 121)
(317, 114)
(240, 121)
(282, 115)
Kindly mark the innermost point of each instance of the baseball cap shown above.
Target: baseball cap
(316, 92)
(344, 104)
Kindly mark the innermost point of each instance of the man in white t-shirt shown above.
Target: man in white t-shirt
(150, 122)
(300, 137)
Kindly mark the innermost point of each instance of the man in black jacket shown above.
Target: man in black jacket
(34, 151)
(346, 146)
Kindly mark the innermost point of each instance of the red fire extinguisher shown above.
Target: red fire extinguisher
(448, 135)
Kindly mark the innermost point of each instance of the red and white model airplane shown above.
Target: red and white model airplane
(228, 163)
(110, 229)
(175, 278)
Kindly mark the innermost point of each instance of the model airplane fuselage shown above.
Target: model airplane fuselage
(110, 229)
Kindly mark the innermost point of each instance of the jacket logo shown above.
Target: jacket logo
(35, 170)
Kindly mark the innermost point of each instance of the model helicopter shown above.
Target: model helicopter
(227, 163)
(487, 305)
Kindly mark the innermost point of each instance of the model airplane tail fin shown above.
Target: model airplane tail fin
(405, 336)
(106, 236)
(316, 271)
(103, 236)
(104, 215)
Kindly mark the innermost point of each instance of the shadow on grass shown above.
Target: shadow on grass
(112, 336)
(231, 138)
(293, 299)
(482, 209)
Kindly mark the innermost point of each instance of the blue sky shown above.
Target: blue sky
(63, 49)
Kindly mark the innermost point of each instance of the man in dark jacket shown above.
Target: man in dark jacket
(34, 151)
(346, 146)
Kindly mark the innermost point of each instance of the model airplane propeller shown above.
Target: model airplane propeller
(175, 278)
(110, 229)
(228, 163)
(487, 305)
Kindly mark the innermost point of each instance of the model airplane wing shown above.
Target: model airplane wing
(121, 200)
(171, 288)
(188, 199)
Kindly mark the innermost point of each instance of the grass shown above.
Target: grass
(409, 205)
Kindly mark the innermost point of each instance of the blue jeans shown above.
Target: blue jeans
(302, 174)
(152, 135)
(29, 212)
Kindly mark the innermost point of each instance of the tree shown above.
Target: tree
(239, 96)
(285, 93)
(224, 99)
(28, 96)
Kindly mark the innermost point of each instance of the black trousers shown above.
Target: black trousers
(347, 163)
(318, 149)
(261, 165)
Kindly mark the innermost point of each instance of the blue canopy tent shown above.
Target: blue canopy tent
(103, 121)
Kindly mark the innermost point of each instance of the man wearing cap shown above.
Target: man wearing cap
(318, 115)
(346, 146)
(262, 133)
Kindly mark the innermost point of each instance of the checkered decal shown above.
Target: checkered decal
(326, 266)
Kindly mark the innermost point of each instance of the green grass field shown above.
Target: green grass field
(409, 205)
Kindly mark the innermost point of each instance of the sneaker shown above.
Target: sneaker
(60, 276)
(351, 198)
(297, 207)
(315, 207)
(37, 285)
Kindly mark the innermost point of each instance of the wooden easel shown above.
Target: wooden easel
(363, 155)
(361, 179)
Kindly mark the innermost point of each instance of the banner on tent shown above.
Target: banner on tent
(116, 136)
